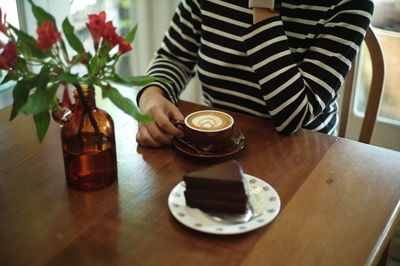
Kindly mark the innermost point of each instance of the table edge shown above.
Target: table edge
(384, 239)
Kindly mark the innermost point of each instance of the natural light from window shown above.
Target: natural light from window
(386, 23)
(9, 7)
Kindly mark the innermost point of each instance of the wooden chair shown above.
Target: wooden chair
(375, 94)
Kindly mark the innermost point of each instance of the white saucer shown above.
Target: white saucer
(264, 200)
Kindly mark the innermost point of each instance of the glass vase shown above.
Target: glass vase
(88, 143)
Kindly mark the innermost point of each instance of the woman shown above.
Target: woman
(286, 66)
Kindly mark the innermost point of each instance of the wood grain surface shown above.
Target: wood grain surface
(339, 201)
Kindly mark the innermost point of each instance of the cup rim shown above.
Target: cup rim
(209, 130)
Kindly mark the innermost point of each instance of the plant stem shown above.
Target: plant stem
(56, 55)
(91, 117)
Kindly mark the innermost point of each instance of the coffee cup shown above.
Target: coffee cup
(208, 130)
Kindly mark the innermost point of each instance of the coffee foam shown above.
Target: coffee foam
(209, 120)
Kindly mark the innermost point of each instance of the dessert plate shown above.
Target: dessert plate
(187, 148)
(264, 205)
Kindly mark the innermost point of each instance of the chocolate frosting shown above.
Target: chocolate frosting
(219, 187)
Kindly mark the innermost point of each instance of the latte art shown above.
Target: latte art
(209, 120)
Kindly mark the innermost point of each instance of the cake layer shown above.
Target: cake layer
(209, 205)
(222, 197)
(238, 189)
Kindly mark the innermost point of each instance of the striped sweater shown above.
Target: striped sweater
(287, 68)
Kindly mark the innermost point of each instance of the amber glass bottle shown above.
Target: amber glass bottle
(88, 144)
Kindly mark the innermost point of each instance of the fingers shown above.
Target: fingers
(158, 133)
(176, 114)
(144, 138)
(164, 122)
(161, 131)
(149, 135)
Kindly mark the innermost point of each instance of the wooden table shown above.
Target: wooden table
(340, 202)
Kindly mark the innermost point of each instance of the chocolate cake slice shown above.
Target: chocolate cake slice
(220, 188)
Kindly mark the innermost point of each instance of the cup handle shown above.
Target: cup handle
(179, 123)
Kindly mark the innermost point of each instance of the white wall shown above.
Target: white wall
(153, 18)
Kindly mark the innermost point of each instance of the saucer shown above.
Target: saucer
(263, 199)
(237, 145)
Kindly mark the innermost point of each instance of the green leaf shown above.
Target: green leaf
(75, 43)
(100, 60)
(68, 78)
(42, 122)
(94, 65)
(41, 100)
(104, 52)
(81, 57)
(41, 15)
(36, 103)
(20, 96)
(131, 35)
(124, 104)
(21, 65)
(64, 49)
(43, 77)
(138, 80)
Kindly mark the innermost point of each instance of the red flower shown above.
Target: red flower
(66, 101)
(109, 33)
(123, 46)
(47, 36)
(99, 28)
(9, 56)
(3, 27)
(96, 26)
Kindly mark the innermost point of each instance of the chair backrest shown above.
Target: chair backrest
(375, 94)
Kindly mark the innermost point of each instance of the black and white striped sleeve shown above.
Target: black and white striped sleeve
(177, 56)
(297, 93)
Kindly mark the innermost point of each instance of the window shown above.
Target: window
(10, 8)
(386, 23)
(117, 11)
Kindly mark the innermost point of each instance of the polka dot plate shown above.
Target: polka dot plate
(264, 203)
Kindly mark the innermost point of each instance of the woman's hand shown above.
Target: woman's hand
(160, 132)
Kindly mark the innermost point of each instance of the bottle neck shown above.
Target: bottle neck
(88, 97)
